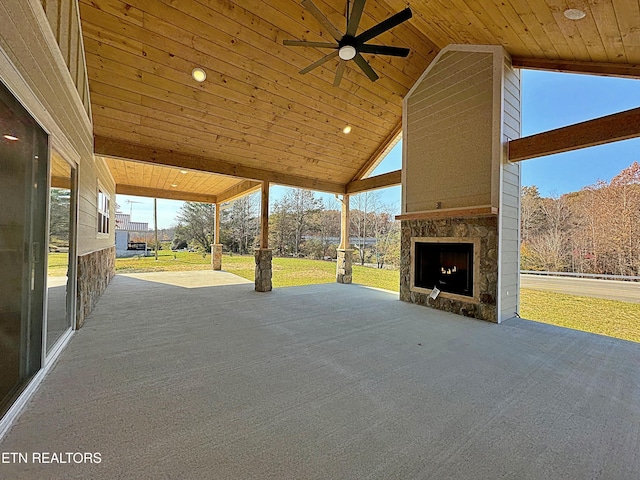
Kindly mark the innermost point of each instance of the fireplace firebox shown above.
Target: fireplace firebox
(448, 266)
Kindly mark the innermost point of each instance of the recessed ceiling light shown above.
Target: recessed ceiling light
(346, 129)
(198, 74)
(574, 14)
(174, 185)
(13, 138)
(183, 171)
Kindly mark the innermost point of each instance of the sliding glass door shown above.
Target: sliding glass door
(61, 261)
(23, 200)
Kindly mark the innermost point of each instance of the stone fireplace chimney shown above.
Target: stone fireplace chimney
(460, 195)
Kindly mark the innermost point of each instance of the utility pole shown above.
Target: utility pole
(155, 223)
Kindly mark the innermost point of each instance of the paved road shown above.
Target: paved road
(586, 287)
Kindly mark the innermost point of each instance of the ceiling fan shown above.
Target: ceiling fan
(350, 46)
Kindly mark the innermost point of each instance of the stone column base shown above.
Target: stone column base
(263, 269)
(343, 266)
(216, 256)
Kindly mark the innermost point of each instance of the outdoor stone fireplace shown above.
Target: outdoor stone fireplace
(460, 215)
(456, 255)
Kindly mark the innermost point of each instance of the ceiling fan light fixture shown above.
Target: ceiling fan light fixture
(574, 14)
(199, 75)
(347, 52)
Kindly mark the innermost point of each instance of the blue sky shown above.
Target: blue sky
(549, 100)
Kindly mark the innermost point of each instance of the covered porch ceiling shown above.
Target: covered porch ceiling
(256, 118)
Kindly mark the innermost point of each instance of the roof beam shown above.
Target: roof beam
(243, 188)
(626, 70)
(129, 151)
(612, 128)
(385, 147)
(123, 189)
(390, 179)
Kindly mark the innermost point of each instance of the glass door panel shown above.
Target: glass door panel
(23, 190)
(60, 275)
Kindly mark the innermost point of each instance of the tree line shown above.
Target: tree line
(594, 230)
(300, 225)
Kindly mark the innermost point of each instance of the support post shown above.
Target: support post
(344, 253)
(263, 255)
(216, 247)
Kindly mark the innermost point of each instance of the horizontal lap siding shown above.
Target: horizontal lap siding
(449, 121)
(510, 207)
(35, 68)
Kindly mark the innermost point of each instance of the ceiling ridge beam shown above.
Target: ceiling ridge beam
(608, 69)
(107, 147)
(384, 180)
(612, 128)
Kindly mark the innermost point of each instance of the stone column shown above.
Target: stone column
(263, 269)
(343, 266)
(264, 253)
(216, 256)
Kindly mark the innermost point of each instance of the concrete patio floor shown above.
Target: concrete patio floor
(194, 375)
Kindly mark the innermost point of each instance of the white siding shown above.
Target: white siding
(509, 236)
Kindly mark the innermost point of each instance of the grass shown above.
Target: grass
(287, 272)
(58, 264)
(604, 317)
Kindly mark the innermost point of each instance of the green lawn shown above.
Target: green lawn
(604, 317)
(287, 272)
(58, 264)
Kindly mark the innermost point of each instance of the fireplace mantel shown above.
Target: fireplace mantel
(468, 212)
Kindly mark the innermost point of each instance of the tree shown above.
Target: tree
(59, 215)
(240, 224)
(328, 223)
(196, 223)
(362, 213)
(294, 217)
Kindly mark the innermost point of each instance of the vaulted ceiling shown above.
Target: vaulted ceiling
(256, 117)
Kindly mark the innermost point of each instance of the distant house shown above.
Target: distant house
(125, 247)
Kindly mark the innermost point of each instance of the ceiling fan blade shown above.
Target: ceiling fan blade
(385, 25)
(324, 59)
(324, 21)
(366, 68)
(354, 17)
(384, 50)
(339, 72)
(302, 43)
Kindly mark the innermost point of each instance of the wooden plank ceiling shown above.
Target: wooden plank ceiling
(256, 117)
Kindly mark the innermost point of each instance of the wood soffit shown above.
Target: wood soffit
(257, 118)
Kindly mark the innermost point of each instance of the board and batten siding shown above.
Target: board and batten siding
(34, 68)
(509, 222)
(64, 18)
(453, 101)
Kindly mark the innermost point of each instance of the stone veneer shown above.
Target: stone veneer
(216, 256)
(263, 269)
(344, 267)
(484, 228)
(95, 271)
